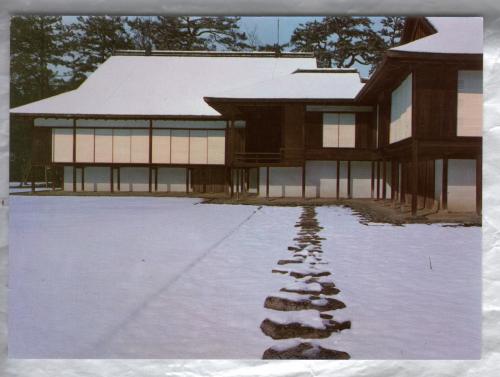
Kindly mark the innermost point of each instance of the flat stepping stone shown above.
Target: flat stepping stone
(304, 351)
(302, 303)
(290, 261)
(300, 330)
(275, 271)
(300, 275)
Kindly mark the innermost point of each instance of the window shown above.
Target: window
(339, 130)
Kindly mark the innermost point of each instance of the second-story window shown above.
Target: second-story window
(339, 130)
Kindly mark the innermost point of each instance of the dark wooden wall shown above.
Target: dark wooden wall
(435, 102)
(263, 130)
(293, 126)
(208, 179)
(42, 145)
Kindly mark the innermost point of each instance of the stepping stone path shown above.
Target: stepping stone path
(309, 290)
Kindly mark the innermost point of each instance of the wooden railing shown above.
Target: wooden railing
(285, 155)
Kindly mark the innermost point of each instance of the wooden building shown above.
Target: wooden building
(277, 126)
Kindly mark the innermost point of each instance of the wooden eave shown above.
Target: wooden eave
(236, 106)
(112, 116)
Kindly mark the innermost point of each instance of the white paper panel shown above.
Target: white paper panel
(347, 127)
(62, 141)
(84, 145)
(198, 147)
(401, 103)
(470, 103)
(330, 130)
(103, 145)
(121, 146)
(161, 146)
(216, 147)
(139, 149)
(180, 147)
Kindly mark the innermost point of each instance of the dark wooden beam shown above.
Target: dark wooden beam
(414, 178)
(349, 188)
(479, 184)
(187, 180)
(303, 180)
(378, 180)
(338, 180)
(111, 178)
(74, 154)
(267, 182)
(444, 185)
(83, 179)
(373, 180)
(384, 177)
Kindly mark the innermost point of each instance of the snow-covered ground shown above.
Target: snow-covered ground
(170, 278)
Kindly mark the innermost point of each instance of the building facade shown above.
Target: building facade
(277, 126)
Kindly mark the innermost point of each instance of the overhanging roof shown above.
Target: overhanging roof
(303, 84)
(455, 35)
(164, 85)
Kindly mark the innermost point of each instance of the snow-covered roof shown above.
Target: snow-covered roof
(164, 85)
(308, 84)
(455, 35)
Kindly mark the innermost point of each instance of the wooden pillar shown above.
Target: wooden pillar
(303, 180)
(111, 178)
(156, 179)
(402, 192)
(83, 179)
(378, 180)
(414, 178)
(258, 181)
(373, 180)
(231, 181)
(74, 154)
(393, 179)
(238, 183)
(267, 182)
(444, 185)
(338, 180)
(150, 183)
(479, 184)
(187, 180)
(349, 188)
(118, 178)
(384, 177)
(32, 176)
(150, 155)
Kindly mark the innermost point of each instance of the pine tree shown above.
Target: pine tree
(345, 41)
(190, 33)
(38, 56)
(95, 38)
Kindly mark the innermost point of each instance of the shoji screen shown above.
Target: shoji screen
(330, 130)
(103, 145)
(139, 148)
(180, 146)
(84, 145)
(216, 147)
(198, 147)
(161, 146)
(62, 145)
(339, 130)
(121, 146)
(470, 103)
(401, 109)
(347, 126)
